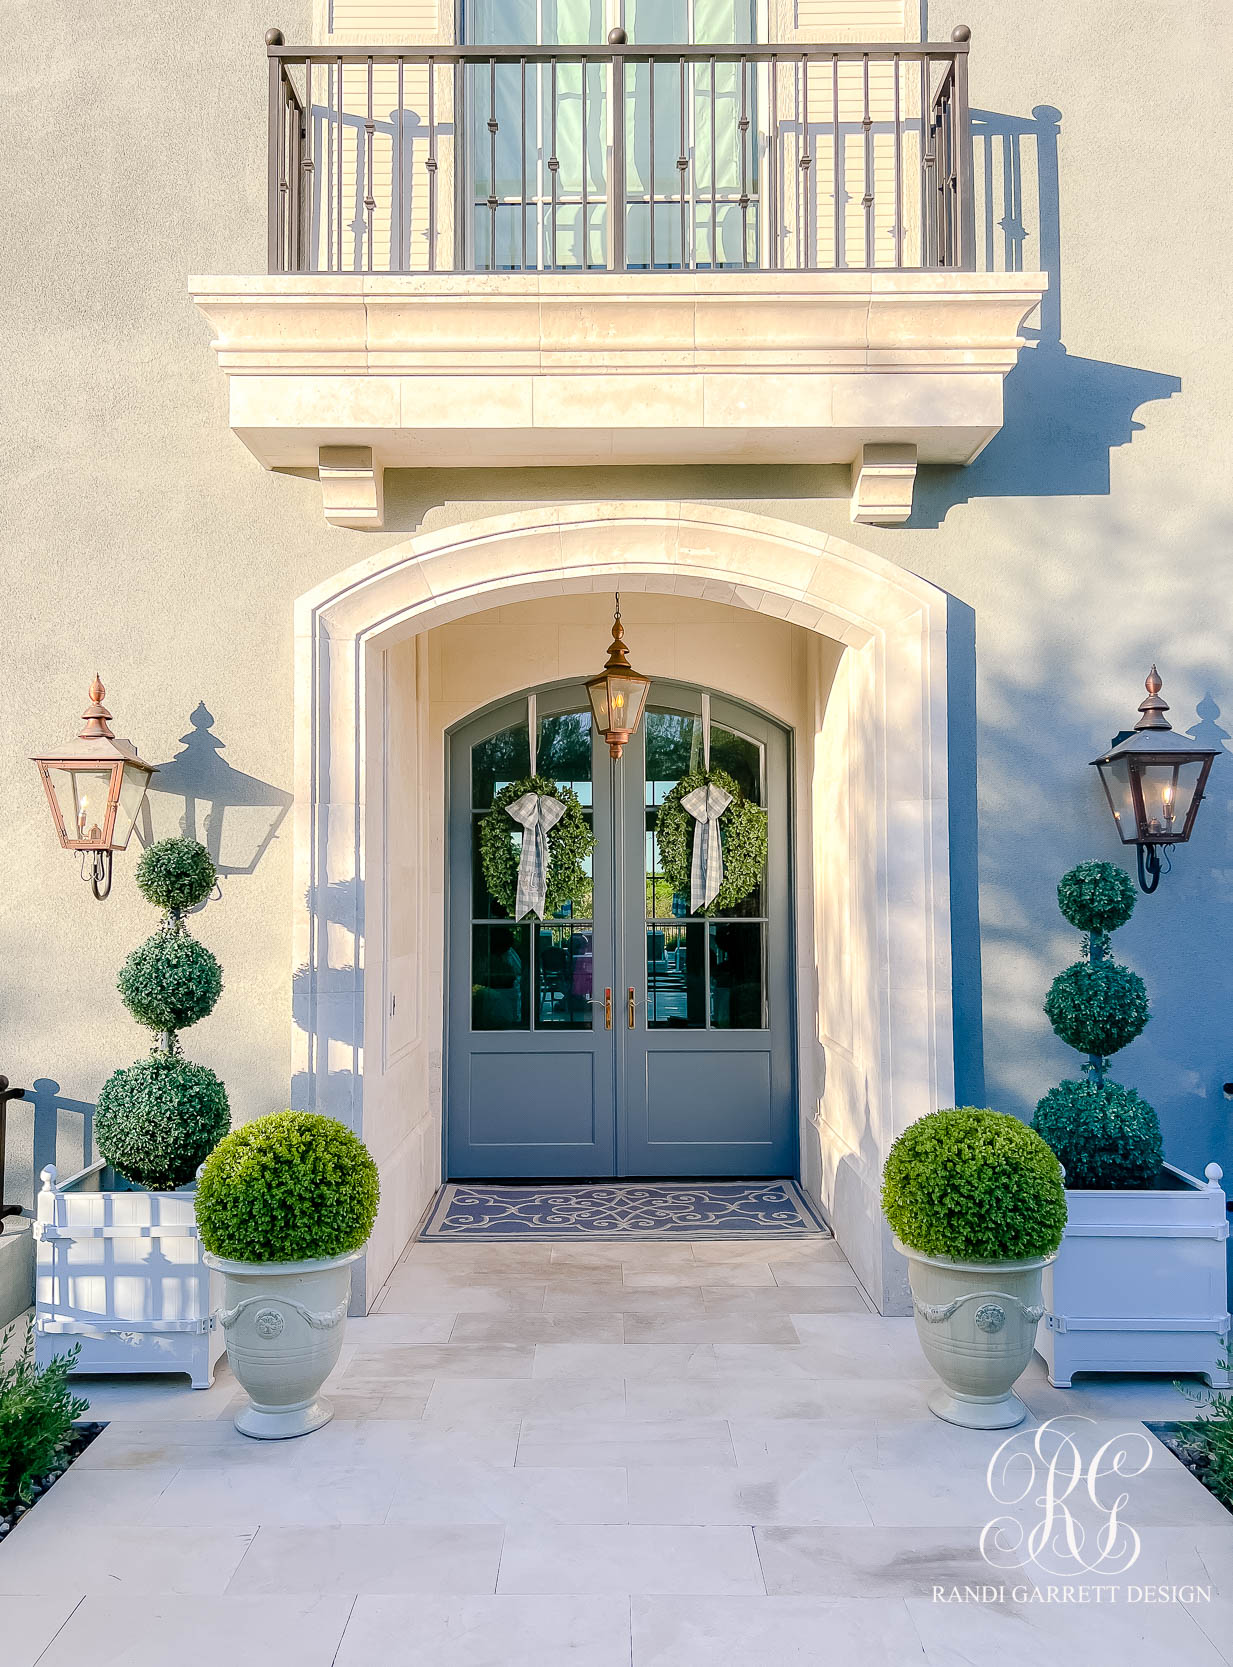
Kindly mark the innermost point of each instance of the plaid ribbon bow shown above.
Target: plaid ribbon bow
(706, 870)
(535, 813)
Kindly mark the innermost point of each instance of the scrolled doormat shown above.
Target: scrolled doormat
(622, 1210)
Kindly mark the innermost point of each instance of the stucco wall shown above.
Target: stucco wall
(140, 538)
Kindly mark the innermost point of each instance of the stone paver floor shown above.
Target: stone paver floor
(664, 1455)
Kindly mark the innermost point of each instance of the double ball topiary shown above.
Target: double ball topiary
(288, 1187)
(974, 1185)
(1104, 1134)
(155, 1121)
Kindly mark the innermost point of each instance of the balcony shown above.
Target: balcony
(618, 254)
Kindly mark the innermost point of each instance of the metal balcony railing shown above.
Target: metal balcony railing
(620, 158)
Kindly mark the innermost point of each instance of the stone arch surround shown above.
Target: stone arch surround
(873, 948)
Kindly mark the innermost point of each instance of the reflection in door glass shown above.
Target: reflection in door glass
(676, 977)
(673, 749)
(564, 972)
(564, 752)
(737, 976)
(700, 975)
(741, 758)
(500, 977)
(497, 761)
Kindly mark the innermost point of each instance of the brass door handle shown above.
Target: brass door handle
(607, 1009)
(631, 1007)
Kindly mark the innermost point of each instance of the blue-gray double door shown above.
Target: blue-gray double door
(623, 1035)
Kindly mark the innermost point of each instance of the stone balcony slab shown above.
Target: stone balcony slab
(453, 370)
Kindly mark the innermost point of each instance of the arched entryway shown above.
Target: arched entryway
(631, 1031)
(870, 894)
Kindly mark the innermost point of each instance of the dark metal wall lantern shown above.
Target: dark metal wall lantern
(95, 786)
(1154, 780)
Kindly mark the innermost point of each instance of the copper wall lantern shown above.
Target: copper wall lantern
(95, 787)
(619, 693)
(1154, 779)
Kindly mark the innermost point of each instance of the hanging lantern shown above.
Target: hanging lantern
(1154, 779)
(95, 787)
(619, 693)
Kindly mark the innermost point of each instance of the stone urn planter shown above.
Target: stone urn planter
(283, 1327)
(285, 1206)
(975, 1201)
(977, 1325)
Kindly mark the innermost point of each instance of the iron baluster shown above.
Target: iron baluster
(867, 199)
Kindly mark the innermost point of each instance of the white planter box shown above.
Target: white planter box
(1140, 1283)
(120, 1271)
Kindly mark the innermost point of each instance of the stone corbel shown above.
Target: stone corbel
(352, 487)
(882, 480)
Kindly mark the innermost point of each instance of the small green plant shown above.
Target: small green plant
(1104, 1133)
(286, 1188)
(743, 834)
(1205, 1445)
(156, 1120)
(37, 1411)
(570, 843)
(974, 1185)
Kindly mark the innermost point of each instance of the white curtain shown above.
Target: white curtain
(569, 121)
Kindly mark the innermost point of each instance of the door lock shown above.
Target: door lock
(607, 1009)
(631, 1007)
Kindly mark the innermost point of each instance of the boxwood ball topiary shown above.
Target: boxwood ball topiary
(1104, 1134)
(974, 1185)
(287, 1188)
(1098, 1007)
(170, 981)
(155, 1121)
(1096, 897)
(176, 874)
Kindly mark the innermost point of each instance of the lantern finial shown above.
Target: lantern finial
(1153, 708)
(96, 715)
(618, 654)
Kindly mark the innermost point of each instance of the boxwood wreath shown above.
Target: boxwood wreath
(570, 843)
(743, 839)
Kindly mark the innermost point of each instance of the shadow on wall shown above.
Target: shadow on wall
(1176, 940)
(52, 1129)
(1063, 415)
(200, 795)
(327, 1007)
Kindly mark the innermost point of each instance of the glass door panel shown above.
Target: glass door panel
(705, 1070)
